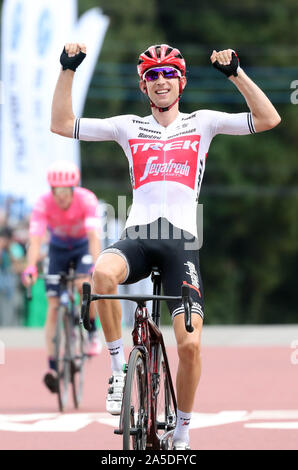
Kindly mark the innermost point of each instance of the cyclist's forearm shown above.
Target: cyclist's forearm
(94, 245)
(264, 114)
(33, 253)
(62, 113)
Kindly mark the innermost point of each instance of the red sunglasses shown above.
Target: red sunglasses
(167, 72)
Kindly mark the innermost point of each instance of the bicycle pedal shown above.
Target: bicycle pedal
(118, 431)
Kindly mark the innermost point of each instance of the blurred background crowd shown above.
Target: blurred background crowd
(13, 239)
(249, 194)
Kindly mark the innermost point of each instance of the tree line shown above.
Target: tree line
(249, 194)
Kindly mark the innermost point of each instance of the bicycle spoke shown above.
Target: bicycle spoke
(62, 354)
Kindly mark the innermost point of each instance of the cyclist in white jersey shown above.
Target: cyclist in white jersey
(166, 152)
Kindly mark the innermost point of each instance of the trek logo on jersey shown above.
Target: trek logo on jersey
(174, 160)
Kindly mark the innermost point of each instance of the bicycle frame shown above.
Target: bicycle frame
(66, 294)
(67, 362)
(148, 339)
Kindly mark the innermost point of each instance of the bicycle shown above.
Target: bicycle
(69, 340)
(148, 412)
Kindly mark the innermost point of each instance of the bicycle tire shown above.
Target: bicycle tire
(77, 364)
(165, 403)
(135, 403)
(62, 355)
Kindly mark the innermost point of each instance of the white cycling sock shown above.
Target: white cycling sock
(116, 354)
(181, 432)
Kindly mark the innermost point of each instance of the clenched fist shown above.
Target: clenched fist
(226, 61)
(72, 56)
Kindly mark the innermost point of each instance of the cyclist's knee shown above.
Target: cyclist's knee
(104, 281)
(189, 350)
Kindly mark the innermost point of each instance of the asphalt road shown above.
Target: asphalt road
(247, 397)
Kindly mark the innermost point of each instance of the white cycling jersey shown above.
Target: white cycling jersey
(166, 163)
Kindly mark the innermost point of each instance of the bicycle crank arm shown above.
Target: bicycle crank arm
(132, 432)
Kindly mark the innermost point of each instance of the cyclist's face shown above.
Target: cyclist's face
(162, 91)
(63, 197)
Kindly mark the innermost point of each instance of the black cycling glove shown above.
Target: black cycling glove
(230, 69)
(71, 62)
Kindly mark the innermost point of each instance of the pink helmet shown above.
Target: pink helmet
(160, 55)
(63, 173)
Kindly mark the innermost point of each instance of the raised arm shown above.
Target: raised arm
(264, 114)
(62, 120)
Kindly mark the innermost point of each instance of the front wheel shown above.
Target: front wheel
(77, 363)
(166, 406)
(135, 403)
(62, 355)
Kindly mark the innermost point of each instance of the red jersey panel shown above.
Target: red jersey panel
(172, 160)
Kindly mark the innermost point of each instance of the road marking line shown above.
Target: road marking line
(72, 422)
(279, 425)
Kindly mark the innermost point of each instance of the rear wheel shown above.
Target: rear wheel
(135, 403)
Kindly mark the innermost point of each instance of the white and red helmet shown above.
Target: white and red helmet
(63, 173)
(160, 55)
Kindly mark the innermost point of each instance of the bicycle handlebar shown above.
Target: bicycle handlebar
(187, 304)
(140, 300)
(56, 278)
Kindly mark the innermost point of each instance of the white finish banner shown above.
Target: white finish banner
(33, 35)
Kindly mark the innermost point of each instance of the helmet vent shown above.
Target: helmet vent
(169, 50)
(148, 54)
(157, 50)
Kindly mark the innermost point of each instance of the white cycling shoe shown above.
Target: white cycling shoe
(180, 445)
(115, 393)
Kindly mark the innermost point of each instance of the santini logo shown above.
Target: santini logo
(164, 168)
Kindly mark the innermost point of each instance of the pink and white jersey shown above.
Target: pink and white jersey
(66, 226)
(166, 163)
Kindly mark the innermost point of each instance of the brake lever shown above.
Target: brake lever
(187, 304)
(86, 299)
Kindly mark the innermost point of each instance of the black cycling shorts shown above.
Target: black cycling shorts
(60, 259)
(173, 251)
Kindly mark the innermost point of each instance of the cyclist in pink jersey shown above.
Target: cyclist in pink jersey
(166, 152)
(70, 214)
